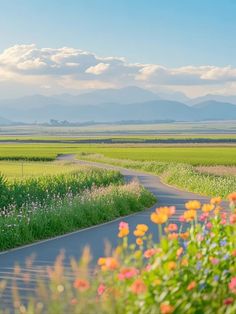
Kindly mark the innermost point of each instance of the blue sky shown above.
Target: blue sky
(168, 32)
(185, 46)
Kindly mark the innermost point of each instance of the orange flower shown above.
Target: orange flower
(159, 218)
(169, 211)
(172, 265)
(192, 205)
(81, 284)
(101, 261)
(216, 200)
(138, 287)
(139, 233)
(184, 235)
(123, 229)
(184, 262)
(207, 207)
(139, 241)
(190, 214)
(173, 236)
(166, 308)
(171, 228)
(149, 253)
(232, 219)
(142, 227)
(232, 197)
(191, 286)
(111, 263)
(179, 251)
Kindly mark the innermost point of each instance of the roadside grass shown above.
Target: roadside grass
(180, 175)
(90, 207)
(45, 189)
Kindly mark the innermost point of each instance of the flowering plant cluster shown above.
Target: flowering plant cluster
(191, 269)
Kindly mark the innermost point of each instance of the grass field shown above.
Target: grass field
(194, 155)
(24, 169)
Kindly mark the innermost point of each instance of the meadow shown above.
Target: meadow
(194, 155)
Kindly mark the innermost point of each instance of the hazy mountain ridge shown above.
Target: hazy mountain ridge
(110, 105)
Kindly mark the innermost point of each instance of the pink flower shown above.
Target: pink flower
(127, 273)
(149, 253)
(223, 222)
(204, 216)
(123, 225)
(200, 237)
(181, 218)
(148, 267)
(232, 219)
(232, 285)
(214, 261)
(101, 289)
(209, 225)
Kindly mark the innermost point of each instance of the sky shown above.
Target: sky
(74, 46)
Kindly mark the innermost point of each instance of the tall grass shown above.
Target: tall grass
(43, 190)
(181, 175)
(90, 207)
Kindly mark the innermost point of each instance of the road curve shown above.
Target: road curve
(46, 251)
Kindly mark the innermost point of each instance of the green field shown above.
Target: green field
(194, 155)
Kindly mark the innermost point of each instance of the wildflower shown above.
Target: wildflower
(216, 200)
(171, 228)
(123, 229)
(184, 235)
(138, 287)
(223, 243)
(169, 211)
(142, 227)
(191, 286)
(199, 265)
(192, 205)
(111, 263)
(73, 301)
(184, 262)
(173, 236)
(207, 207)
(101, 289)
(179, 251)
(159, 218)
(204, 216)
(214, 260)
(228, 301)
(127, 273)
(81, 284)
(166, 308)
(101, 261)
(232, 285)
(181, 218)
(209, 225)
(139, 233)
(216, 278)
(232, 219)
(139, 241)
(149, 253)
(234, 253)
(189, 215)
(232, 198)
(199, 255)
(172, 265)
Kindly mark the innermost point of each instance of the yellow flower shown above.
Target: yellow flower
(139, 241)
(207, 208)
(123, 232)
(190, 214)
(139, 233)
(184, 262)
(171, 265)
(193, 205)
(159, 218)
(142, 227)
(216, 200)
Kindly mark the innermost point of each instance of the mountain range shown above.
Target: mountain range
(111, 105)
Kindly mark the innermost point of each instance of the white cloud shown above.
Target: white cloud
(98, 69)
(74, 69)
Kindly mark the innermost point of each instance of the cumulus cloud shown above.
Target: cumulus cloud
(75, 69)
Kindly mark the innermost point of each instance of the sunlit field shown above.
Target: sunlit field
(194, 155)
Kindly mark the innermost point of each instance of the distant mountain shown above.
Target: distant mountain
(215, 110)
(111, 105)
(220, 98)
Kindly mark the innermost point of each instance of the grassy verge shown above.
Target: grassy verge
(43, 190)
(89, 208)
(180, 175)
